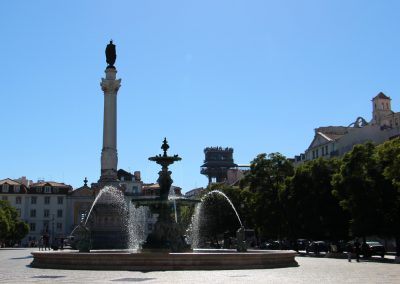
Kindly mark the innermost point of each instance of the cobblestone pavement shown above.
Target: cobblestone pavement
(14, 268)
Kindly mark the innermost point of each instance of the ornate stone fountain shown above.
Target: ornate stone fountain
(167, 234)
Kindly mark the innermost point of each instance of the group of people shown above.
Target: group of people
(44, 242)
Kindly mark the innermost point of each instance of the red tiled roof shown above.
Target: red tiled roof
(332, 132)
(9, 181)
(51, 183)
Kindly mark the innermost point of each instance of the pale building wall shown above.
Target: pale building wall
(53, 219)
(385, 124)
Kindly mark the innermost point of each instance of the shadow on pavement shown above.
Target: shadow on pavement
(133, 279)
(48, 276)
(378, 260)
(23, 257)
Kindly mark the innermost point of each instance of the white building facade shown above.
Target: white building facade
(335, 141)
(42, 205)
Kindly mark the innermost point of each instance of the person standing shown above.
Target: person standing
(349, 249)
(357, 250)
(46, 241)
(41, 243)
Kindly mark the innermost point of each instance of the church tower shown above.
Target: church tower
(381, 107)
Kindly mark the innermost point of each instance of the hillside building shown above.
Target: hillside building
(335, 141)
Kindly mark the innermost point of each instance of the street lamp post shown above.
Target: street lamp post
(52, 229)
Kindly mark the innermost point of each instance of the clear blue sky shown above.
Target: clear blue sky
(257, 76)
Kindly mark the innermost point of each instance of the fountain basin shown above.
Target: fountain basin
(162, 261)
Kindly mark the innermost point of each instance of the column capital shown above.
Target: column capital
(110, 86)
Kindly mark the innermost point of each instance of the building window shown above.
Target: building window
(55, 189)
(59, 213)
(326, 150)
(46, 226)
(33, 213)
(46, 213)
(19, 212)
(39, 189)
(47, 200)
(323, 151)
(4, 188)
(33, 200)
(4, 198)
(32, 227)
(47, 189)
(60, 200)
(18, 200)
(59, 226)
(16, 188)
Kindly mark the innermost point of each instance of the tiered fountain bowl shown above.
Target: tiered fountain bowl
(165, 248)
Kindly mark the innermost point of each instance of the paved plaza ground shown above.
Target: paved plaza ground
(14, 268)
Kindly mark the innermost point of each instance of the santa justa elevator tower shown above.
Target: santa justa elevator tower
(216, 163)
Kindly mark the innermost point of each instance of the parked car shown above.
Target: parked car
(373, 248)
(274, 245)
(301, 244)
(316, 247)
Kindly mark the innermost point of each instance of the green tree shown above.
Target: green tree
(310, 208)
(5, 225)
(12, 229)
(388, 155)
(357, 187)
(21, 229)
(217, 215)
(265, 180)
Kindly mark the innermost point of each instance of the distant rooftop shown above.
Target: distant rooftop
(381, 96)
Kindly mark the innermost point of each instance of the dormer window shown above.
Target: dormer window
(4, 188)
(16, 188)
(47, 189)
(39, 189)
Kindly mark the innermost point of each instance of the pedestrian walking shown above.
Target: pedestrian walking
(349, 249)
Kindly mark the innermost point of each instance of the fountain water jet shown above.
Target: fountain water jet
(194, 229)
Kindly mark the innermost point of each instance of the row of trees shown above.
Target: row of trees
(12, 229)
(355, 196)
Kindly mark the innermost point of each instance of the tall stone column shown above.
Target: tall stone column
(109, 155)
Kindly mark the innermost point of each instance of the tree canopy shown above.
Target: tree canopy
(12, 229)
